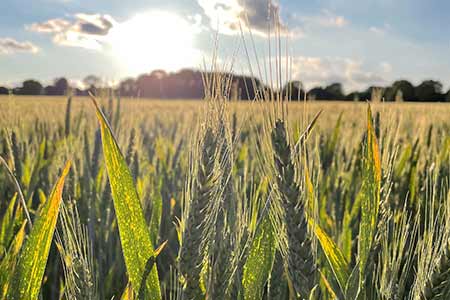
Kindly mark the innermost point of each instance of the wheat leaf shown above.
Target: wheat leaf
(260, 261)
(369, 196)
(28, 274)
(128, 293)
(155, 220)
(8, 262)
(337, 261)
(134, 234)
(7, 223)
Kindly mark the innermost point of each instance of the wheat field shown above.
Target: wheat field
(152, 199)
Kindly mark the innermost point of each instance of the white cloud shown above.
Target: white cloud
(85, 31)
(50, 26)
(11, 46)
(339, 21)
(380, 31)
(319, 71)
(386, 67)
(377, 30)
(329, 19)
(325, 19)
(255, 15)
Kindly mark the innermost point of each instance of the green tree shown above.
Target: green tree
(294, 90)
(61, 86)
(334, 91)
(400, 86)
(429, 90)
(31, 87)
(4, 90)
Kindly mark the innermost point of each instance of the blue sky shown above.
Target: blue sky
(358, 43)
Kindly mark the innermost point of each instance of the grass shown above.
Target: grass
(243, 208)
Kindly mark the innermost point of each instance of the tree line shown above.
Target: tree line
(189, 84)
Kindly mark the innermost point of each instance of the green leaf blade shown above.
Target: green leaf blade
(369, 195)
(134, 234)
(258, 266)
(335, 257)
(28, 274)
(155, 220)
(8, 262)
(7, 223)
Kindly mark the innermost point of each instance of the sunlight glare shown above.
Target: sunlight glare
(154, 40)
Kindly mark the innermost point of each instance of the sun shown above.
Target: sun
(154, 40)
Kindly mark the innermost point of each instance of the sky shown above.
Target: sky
(356, 42)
